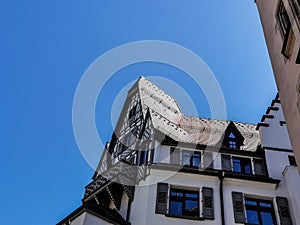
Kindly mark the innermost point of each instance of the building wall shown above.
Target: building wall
(276, 142)
(88, 219)
(293, 187)
(145, 195)
(276, 163)
(143, 208)
(276, 134)
(286, 71)
(79, 220)
(93, 220)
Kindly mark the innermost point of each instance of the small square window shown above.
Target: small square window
(292, 160)
(232, 144)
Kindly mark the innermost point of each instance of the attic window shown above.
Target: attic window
(232, 141)
(233, 138)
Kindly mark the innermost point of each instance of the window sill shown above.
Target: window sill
(186, 217)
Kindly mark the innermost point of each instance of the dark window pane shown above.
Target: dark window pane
(176, 208)
(184, 202)
(267, 218)
(191, 195)
(252, 217)
(231, 135)
(175, 193)
(263, 204)
(237, 165)
(196, 160)
(191, 205)
(249, 202)
(191, 158)
(143, 157)
(232, 144)
(247, 168)
(259, 212)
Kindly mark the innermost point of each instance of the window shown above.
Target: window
(254, 211)
(284, 211)
(259, 212)
(292, 160)
(241, 165)
(192, 159)
(295, 9)
(184, 203)
(142, 157)
(232, 137)
(232, 144)
(283, 19)
(286, 31)
(232, 141)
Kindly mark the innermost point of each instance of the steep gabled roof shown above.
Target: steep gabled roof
(168, 118)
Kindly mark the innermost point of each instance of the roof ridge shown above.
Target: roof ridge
(205, 118)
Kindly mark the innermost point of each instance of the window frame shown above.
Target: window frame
(283, 19)
(292, 160)
(182, 199)
(203, 196)
(177, 158)
(226, 158)
(191, 157)
(242, 165)
(259, 209)
(285, 27)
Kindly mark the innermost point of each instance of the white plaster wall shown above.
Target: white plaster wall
(276, 162)
(79, 220)
(143, 208)
(161, 154)
(124, 205)
(275, 135)
(291, 175)
(93, 220)
(88, 219)
(217, 161)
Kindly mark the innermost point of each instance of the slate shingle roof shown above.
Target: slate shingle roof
(168, 118)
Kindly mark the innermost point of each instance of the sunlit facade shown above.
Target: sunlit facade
(162, 167)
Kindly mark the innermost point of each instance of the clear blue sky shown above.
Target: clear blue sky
(47, 45)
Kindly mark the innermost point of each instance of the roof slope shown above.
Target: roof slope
(168, 118)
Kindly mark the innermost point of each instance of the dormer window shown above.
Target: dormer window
(232, 138)
(232, 141)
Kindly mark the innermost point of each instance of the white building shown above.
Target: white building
(162, 167)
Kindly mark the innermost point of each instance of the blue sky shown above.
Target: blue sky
(46, 46)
